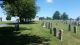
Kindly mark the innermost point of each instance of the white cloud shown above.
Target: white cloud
(49, 1)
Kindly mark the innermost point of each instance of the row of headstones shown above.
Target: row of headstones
(77, 23)
(57, 33)
(74, 28)
(54, 31)
(47, 25)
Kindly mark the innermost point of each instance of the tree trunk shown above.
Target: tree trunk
(25, 19)
(21, 20)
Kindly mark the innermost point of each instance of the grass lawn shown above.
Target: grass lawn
(69, 38)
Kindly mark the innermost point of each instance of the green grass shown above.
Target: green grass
(69, 38)
(5, 22)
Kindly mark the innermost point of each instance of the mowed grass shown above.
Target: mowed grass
(69, 38)
(5, 22)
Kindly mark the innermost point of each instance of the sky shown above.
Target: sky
(48, 7)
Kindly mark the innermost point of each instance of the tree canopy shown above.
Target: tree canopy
(64, 16)
(24, 9)
(8, 17)
(56, 15)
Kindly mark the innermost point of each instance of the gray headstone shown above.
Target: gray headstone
(44, 24)
(60, 34)
(55, 31)
(51, 30)
(17, 25)
(69, 28)
(75, 29)
(48, 25)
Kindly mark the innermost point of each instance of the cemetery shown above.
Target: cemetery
(44, 32)
(30, 27)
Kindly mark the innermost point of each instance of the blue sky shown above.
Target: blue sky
(48, 7)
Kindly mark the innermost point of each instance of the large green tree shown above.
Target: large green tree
(8, 17)
(56, 15)
(64, 16)
(24, 9)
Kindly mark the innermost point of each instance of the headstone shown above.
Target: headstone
(78, 23)
(48, 25)
(44, 24)
(17, 25)
(55, 31)
(75, 29)
(69, 28)
(51, 30)
(60, 34)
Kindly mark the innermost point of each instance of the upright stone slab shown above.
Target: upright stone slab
(48, 25)
(55, 31)
(69, 28)
(44, 25)
(75, 29)
(78, 23)
(51, 30)
(60, 34)
(17, 25)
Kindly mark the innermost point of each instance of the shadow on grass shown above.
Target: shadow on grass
(25, 28)
(9, 37)
(31, 22)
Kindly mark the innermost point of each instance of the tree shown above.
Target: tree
(48, 18)
(41, 18)
(78, 18)
(8, 17)
(24, 9)
(64, 16)
(56, 15)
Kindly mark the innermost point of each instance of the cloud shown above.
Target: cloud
(49, 1)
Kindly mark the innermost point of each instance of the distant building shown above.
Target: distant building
(36, 18)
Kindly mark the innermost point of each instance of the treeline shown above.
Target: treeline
(56, 16)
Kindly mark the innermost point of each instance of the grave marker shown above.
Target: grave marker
(55, 31)
(17, 25)
(60, 34)
(75, 29)
(69, 28)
